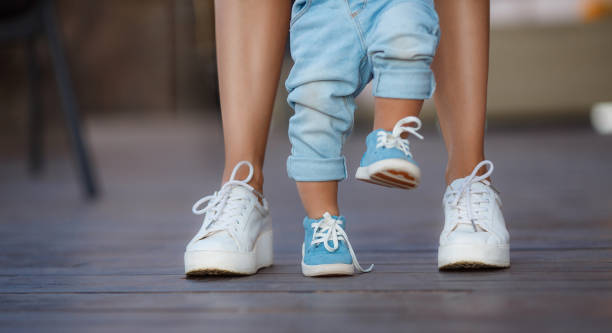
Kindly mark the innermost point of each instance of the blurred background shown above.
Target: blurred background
(550, 61)
(117, 101)
(550, 65)
(118, 65)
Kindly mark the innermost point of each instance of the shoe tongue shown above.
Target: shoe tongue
(375, 132)
(373, 136)
(240, 191)
(341, 218)
(239, 195)
(308, 221)
(464, 228)
(458, 183)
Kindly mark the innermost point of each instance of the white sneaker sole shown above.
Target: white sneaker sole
(326, 269)
(393, 172)
(466, 256)
(231, 263)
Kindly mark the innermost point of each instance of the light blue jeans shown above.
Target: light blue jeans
(338, 46)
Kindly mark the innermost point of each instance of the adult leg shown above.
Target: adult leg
(461, 69)
(251, 37)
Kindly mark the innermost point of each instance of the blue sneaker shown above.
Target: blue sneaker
(326, 249)
(387, 160)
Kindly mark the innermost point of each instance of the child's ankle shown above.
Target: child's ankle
(319, 197)
(318, 214)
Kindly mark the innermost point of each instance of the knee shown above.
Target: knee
(317, 131)
(327, 96)
(407, 32)
(321, 108)
(404, 44)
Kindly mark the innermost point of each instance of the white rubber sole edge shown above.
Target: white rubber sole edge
(326, 269)
(389, 173)
(466, 256)
(225, 263)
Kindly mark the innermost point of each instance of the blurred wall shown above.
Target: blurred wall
(125, 57)
(538, 73)
(550, 70)
(130, 56)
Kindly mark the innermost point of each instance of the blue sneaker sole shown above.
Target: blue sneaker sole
(391, 173)
(326, 269)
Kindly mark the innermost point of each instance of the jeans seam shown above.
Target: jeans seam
(356, 25)
(348, 111)
(300, 14)
(355, 13)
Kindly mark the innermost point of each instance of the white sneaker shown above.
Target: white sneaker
(474, 234)
(236, 235)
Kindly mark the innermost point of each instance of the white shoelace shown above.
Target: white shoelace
(468, 208)
(226, 209)
(395, 140)
(331, 229)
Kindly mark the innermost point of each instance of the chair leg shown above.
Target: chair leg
(69, 104)
(36, 117)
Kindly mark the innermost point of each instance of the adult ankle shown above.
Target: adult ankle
(256, 181)
(453, 175)
(457, 172)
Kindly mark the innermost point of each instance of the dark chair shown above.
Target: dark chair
(26, 21)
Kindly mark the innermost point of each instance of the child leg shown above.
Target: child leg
(322, 85)
(388, 111)
(403, 40)
(323, 82)
(388, 160)
(319, 198)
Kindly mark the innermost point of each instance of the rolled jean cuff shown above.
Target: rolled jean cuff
(415, 84)
(316, 169)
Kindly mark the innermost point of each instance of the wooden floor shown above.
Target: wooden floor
(116, 264)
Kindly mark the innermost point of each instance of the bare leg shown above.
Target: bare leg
(461, 68)
(251, 37)
(390, 110)
(319, 197)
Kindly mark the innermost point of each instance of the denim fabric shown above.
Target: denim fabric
(374, 154)
(338, 46)
(317, 254)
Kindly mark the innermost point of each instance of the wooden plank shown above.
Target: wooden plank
(117, 264)
(293, 282)
(165, 263)
(280, 312)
